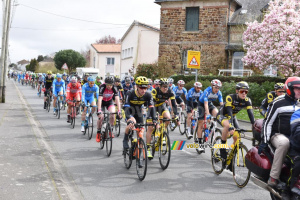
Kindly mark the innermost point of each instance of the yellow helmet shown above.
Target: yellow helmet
(49, 72)
(142, 81)
(163, 81)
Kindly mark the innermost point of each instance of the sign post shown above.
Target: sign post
(65, 66)
(193, 61)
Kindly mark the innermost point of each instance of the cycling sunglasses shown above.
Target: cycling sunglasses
(143, 88)
(243, 91)
(280, 91)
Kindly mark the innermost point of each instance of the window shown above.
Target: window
(110, 61)
(237, 64)
(192, 19)
(271, 71)
(127, 53)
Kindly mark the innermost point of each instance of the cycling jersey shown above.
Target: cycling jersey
(26, 76)
(88, 93)
(160, 98)
(120, 91)
(48, 82)
(73, 91)
(83, 82)
(98, 83)
(179, 92)
(172, 87)
(209, 96)
(150, 89)
(232, 106)
(133, 106)
(58, 86)
(127, 88)
(265, 103)
(193, 96)
(106, 93)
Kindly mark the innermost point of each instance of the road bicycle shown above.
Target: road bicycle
(48, 100)
(137, 150)
(160, 141)
(182, 119)
(89, 121)
(235, 160)
(58, 105)
(106, 133)
(73, 113)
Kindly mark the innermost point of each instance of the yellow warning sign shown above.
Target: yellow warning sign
(193, 59)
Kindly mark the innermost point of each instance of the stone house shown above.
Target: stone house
(106, 58)
(213, 27)
(139, 46)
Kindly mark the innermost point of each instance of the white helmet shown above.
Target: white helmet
(198, 84)
(73, 79)
(181, 82)
(156, 81)
(216, 82)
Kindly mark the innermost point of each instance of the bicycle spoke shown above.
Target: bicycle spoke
(141, 159)
(164, 151)
(216, 160)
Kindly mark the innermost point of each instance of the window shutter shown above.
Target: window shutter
(192, 19)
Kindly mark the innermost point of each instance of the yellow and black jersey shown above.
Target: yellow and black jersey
(134, 102)
(83, 82)
(160, 98)
(234, 104)
(265, 103)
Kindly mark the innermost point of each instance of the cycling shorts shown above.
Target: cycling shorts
(107, 104)
(89, 100)
(179, 100)
(56, 91)
(190, 105)
(201, 110)
(74, 96)
(162, 109)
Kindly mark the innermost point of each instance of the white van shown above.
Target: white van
(81, 71)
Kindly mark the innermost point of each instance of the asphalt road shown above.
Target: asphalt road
(80, 170)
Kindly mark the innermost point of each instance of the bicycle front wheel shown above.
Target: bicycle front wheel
(241, 173)
(164, 151)
(102, 135)
(216, 159)
(182, 126)
(127, 153)
(117, 128)
(90, 126)
(73, 116)
(58, 111)
(141, 159)
(48, 104)
(108, 140)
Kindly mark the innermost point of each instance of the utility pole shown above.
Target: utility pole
(4, 48)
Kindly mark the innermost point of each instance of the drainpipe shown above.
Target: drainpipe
(228, 28)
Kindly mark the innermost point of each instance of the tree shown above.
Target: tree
(32, 66)
(276, 40)
(154, 71)
(71, 57)
(108, 40)
(40, 58)
(13, 65)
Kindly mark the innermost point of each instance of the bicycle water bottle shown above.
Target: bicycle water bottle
(193, 123)
(206, 132)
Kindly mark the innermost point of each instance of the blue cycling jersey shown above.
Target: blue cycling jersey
(58, 85)
(88, 92)
(172, 87)
(193, 95)
(209, 96)
(150, 89)
(126, 88)
(178, 92)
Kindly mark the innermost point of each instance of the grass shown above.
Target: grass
(46, 67)
(243, 115)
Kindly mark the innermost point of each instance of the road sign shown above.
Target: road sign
(65, 66)
(193, 59)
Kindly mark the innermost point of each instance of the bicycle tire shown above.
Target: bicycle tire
(241, 179)
(182, 126)
(141, 159)
(215, 134)
(117, 128)
(90, 126)
(58, 110)
(164, 151)
(102, 135)
(108, 140)
(153, 145)
(216, 159)
(195, 136)
(73, 116)
(48, 104)
(128, 154)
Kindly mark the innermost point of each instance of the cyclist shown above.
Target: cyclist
(48, 81)
(73, 93)
(161, 96)
(98, 81)
(171, 85)
(226, 116)
(106, 93)
(279, 90)
(41, 81)
(58, 89)
(127, 86)
(206, 107)
(84, 80)
(150, 88)
(192, 102)
(132, 82)
(88, 90)
(65, 78)
(19, 77)
(117, 83)
(156, 83)
(179, 90)
(276, 128)
(26, 78)
(133, 107)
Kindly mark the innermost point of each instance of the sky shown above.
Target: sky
(43, 27)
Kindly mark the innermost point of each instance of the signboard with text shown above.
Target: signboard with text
(193, 59)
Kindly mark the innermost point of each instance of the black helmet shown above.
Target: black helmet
(109, 80)
(242, 85)
(117, 79)
(278, 86)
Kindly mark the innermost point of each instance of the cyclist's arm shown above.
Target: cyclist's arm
(250, 110)
(68, 92)
(53, 89)
(174, 106)
(220, 98)
(127, 105)
(83, 94)
(151, 108)
(100, 103)
(264, 107)
(206, 108)
(270, 118)
(97, 92)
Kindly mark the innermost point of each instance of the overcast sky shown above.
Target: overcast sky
(38, 30)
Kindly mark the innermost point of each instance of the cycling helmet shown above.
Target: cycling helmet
(150, 81)
(91, 79)
(289, 85)
(86, 75)
(242, 85)
(49, 72)
(131, 78)
(109, 80)
(142, 81)
(73, 79)
(117, 79)
(198, 84)
(64, 74)
(98, 77)
(170, 80)
(163, 81)
(58, 76)
(278, 86)
(127, 80)
(216, 82)
(181, 82)
(156, 81)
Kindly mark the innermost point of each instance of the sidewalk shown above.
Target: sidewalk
(23, 170)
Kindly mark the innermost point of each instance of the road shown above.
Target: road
(78, 169)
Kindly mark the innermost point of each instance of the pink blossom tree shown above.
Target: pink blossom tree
(276, 40)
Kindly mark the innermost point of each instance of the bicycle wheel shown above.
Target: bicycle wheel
(73, 116)
(128, 154)
(102, 135)
(215, 134)
(164, 151)
(108, 140)
(117, 128)
(182, 126)
(141, 159)
(153, 145)
(195, 136)
(40, 92)
(241, 173)
(48, 104)
(216, 159)
(90, 126)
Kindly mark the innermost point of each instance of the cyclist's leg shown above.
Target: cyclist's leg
(189, 116)
(166, 115)
(111, 108)
(84, 110)
(130, 125)
(54, 98)
(201, 112)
